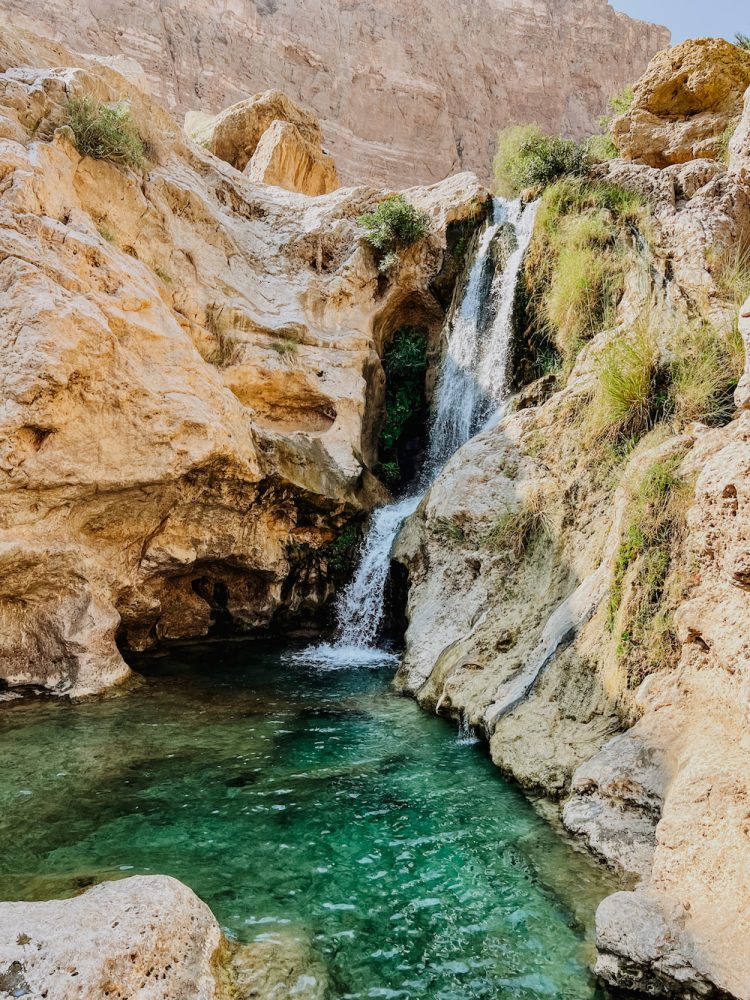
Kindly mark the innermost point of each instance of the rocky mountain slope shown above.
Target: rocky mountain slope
(407, 92)
(580, 568)
(191, 381)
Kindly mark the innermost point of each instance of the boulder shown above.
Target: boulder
(685, 104)
(286, 158)
(148, 937)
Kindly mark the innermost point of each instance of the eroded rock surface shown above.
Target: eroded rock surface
(191, 381)
(407, 92)
(685, 104)
(148, 937)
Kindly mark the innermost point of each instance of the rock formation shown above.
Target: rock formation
(148, 937)
(272, 140)
(520, 637)
(687, 104)
(191, 381)
(407, 92)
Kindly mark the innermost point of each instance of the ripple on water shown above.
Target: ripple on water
(290, 796)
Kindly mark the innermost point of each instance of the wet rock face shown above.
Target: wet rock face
(191, 375)
(407, 93)
(686, 105)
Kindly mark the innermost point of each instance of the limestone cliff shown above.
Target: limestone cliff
(407, 91)
(191, 381)
(539, 612)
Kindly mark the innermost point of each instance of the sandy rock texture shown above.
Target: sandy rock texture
(653, 775)
(148, 937)
(685, 104)
(407, 92)
(191, 381)
(272, 140)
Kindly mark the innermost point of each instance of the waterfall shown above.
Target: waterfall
(472, 386)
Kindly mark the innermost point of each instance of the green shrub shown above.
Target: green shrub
(743, 41)
(601, 147)
(393, 226)
(341, 551)
(526, 158)
(106, 132)
(725, 139)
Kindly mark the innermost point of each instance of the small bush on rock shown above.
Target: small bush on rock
(393, 226)
(526, 158)
(626, 402)
(743, 41)
(106, 132)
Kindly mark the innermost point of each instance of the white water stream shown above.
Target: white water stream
(472, 387)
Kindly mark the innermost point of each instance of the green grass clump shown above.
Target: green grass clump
(642, 596)
(731, 271)
(706, 368)
(583, 244)
(743, 41)
(106, 233)
(285, 347)
(106, 132)
(393, 226)
(625, 402)
(526, 158)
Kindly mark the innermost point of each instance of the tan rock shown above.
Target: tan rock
(234, 134)
(148, 937)
(407, 91)
(285, 158)
(684, 103)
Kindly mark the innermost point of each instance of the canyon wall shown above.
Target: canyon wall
(407, 91)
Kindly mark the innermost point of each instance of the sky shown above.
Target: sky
(692, 18)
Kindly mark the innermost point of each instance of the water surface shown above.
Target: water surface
(293, 798)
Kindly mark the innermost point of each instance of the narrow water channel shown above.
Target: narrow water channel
(289, 797)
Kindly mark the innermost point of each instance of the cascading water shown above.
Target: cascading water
(472, 386)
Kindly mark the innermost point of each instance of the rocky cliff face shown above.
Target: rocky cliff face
(407, 92)
(536, 613)
(191, 381)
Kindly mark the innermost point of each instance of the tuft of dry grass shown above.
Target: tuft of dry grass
(516, 532)
(228, 348)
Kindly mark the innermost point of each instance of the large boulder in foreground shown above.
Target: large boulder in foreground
(272, 139)
(685, 103)
(148, 937)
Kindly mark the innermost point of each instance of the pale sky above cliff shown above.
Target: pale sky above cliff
(691, 18)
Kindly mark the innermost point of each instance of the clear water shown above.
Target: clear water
(290, 798)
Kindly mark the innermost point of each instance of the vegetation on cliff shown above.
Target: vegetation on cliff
(405, 365)
(391, 227)
(106, 132)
